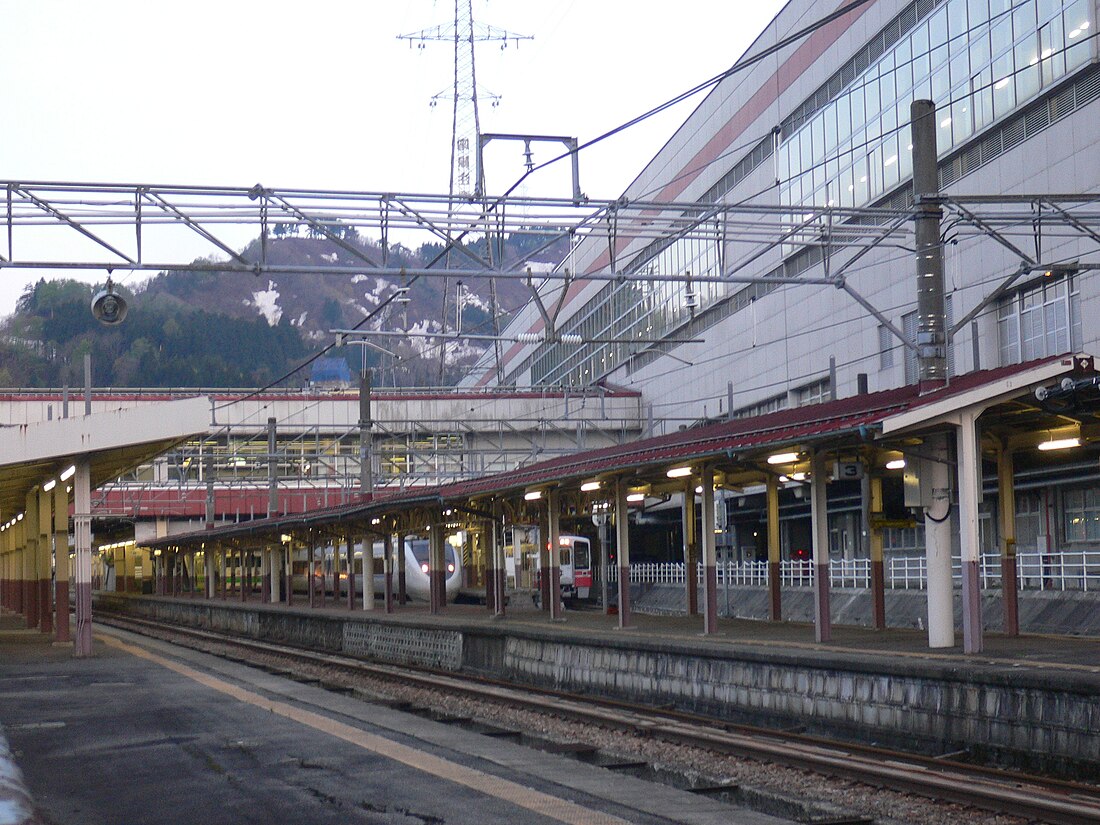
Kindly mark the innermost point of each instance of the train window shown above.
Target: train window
(419, 548)
(420, 553)
(582, 555)
(564, 555)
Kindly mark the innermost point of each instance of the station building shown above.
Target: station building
(824, 122)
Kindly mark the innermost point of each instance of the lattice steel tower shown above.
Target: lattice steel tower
(464, 33)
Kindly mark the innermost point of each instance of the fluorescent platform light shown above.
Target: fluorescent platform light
(783, 458)
(679, 472)
(1060, 444)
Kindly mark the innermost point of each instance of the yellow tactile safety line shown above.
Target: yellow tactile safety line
(523, 797)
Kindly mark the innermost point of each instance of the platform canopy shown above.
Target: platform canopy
(868, 427)
(113, 443)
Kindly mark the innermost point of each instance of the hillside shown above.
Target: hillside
(212, 328)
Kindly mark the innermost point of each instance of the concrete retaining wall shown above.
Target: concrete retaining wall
(1016, 717)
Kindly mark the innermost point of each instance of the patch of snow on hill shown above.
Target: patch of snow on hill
(472, 299)
(422, 345)
(463, 351)
(267, 302)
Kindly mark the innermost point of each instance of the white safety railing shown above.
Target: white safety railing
(1068, 570)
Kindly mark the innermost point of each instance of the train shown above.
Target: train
(416, 568)
(575, 560)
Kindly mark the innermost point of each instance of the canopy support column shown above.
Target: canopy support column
(436, 567)
(1006, 504)
(710, 550)
(82, 527)
(387, 568)
(622, 549)
(499, 567)
(775, 582)
(969, 481)
(873, 503)
(937, 540)
(61, 562)
(819, 517)
(553, 534)
(368, 571)
(691, 549)
(41, 525)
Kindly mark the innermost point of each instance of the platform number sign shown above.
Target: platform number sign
(847, 471)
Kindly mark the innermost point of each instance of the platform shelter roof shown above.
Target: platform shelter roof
(113, 442)
(848, 423)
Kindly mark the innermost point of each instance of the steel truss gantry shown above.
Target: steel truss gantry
(145, 227)
(139, 227)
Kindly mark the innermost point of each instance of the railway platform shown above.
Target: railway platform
(165, 721)
(145, 732)
(1026, 701)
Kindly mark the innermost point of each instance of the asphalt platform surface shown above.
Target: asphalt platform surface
(144, 733)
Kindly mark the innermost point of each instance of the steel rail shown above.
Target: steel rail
(1009, 792)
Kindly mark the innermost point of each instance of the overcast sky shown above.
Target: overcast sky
(324, 95)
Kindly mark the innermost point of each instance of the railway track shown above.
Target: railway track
(1017, 794)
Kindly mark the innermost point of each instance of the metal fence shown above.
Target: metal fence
(1067, 570)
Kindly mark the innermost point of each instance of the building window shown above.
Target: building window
(1039, 320)
(977, 61)
(1029, 521)
(903, 540)
(768, 405)
(814, 393)
(887, 343)
(1082, 514)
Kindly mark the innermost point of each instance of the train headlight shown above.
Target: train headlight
(450, 568)
(423, 568)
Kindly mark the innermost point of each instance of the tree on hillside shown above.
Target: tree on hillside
(160, 344)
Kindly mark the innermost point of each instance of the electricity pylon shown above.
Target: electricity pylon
(463, 32)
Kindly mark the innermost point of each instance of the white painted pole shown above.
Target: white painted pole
(937, 540)
(819, 520)
(969, 479)
(622, 550)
